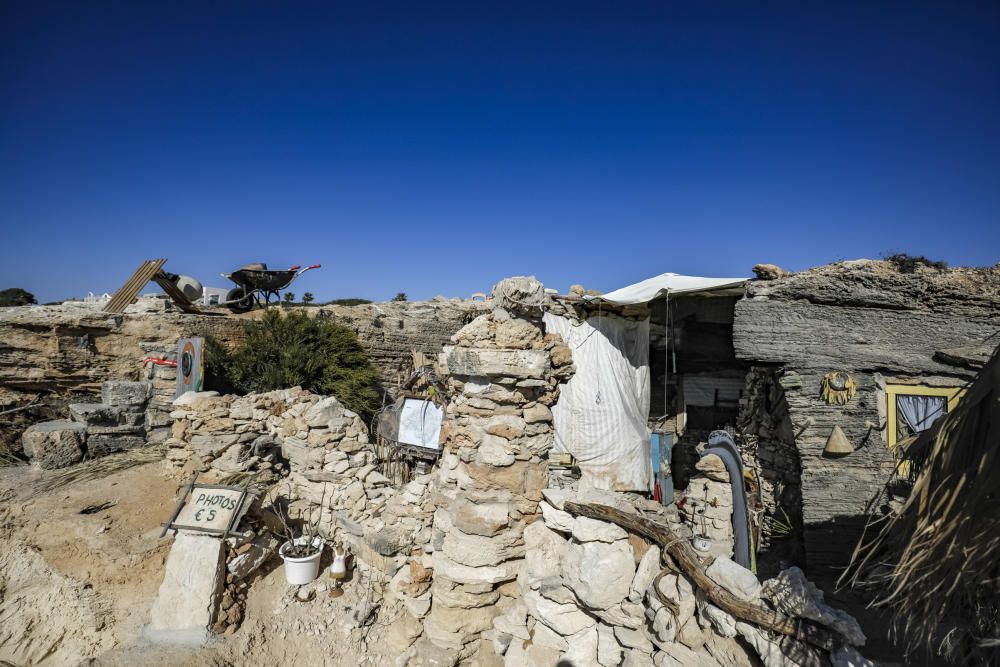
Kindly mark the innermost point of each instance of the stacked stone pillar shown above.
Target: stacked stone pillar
(504, 373)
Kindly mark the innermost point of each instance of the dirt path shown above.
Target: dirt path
(81, 565)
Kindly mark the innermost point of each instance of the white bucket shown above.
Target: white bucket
(299, 571)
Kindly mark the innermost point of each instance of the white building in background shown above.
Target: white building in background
(213, 296)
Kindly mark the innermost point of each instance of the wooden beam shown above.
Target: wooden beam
(687, 558)
(127, 293)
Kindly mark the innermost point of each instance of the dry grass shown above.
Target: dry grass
(98, 468)
(940, 553)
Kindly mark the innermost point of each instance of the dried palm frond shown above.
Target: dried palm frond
(942, 547)
(100, 467)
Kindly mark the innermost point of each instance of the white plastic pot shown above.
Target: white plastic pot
(299, 571)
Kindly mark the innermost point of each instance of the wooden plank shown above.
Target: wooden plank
(689, 562)
(127, 294)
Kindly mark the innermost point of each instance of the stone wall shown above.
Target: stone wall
(870, 320)
(74, 347)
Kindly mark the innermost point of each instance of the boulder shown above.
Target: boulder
(54, 444)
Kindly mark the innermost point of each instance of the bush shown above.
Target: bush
(294, 349)
(347, 302)
(908, 263)
(400, 296)
(15, 296)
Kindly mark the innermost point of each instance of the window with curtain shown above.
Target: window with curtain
(915, 414)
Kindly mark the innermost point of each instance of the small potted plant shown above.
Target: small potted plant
(301, 552)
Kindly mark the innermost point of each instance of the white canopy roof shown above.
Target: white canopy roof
(663, 285)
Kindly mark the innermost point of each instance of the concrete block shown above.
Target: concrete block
(189, 595)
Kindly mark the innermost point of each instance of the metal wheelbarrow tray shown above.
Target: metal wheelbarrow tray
(256, 285)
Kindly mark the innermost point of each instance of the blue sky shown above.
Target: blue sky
(433, 148)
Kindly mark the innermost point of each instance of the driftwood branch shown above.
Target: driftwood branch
(687, 558)
(33, 404)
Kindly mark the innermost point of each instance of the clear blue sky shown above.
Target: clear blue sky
(434, 148)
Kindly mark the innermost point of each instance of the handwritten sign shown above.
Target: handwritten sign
(210, 508)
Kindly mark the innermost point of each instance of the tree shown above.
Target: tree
(401, 296)
(289, 297)
(282, 351)
(15, 296)
(307, 297)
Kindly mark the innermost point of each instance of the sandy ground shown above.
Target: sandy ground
(80, 567)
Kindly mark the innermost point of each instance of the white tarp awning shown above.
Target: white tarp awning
(664, 284)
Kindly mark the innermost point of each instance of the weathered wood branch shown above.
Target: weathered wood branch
(687, 558)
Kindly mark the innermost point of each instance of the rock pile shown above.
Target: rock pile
(322, 449)
(115, 424)
(504, 373)
(707, 506)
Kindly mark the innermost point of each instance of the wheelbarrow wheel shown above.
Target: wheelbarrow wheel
(239, 300)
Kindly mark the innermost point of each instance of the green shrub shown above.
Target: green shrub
(906, 263)
(15, 296)
(294, 349)
(347, 302)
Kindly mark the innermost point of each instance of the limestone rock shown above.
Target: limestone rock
(768, 271)
(586, 529)
(556, 519)
(480, 518)
(192, 585)
(566, 619)
(784, 653)
(793, 594)
(120, 392)
(645, 572)
(538, 413)
(54, 444)
(495, 451)
(497, 363)
(609, 651)
(516, 334)
(723, 623)
(102, 445)
(599, 574)
(736, 579)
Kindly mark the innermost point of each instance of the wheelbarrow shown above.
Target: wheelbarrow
(256, 285)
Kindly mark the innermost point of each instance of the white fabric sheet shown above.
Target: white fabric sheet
(663, 284)
(420, 423)
(601, 414)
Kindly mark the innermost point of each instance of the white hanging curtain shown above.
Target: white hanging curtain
(601, 414)
(920, 412)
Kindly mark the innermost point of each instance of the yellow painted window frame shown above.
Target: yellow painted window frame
(952, 394)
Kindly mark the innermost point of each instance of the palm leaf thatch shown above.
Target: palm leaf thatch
(936, 561)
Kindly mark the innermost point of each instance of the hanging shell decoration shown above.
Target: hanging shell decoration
(838, 388)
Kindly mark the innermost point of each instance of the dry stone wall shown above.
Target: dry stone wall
(74, 347)
(870, 320)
